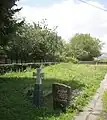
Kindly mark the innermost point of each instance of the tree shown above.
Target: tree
(8, 24)
(85, 47)
(35, 43)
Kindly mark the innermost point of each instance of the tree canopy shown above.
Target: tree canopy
(8, 24)
(35, 43)
(85, 47)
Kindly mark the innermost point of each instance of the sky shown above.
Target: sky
(71, 16)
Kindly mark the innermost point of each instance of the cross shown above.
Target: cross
(38, 92)
(39, 76)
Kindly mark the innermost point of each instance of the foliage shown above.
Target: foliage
(67, 50)
(70, 59)
(67, 55)
(8, 24)
(35, 43)
(2, 52)
(5, 68)
(15, 67)
(84, 47)
(26, 42)
(14, 103)
(103, 115)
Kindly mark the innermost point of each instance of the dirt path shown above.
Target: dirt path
(94, 108)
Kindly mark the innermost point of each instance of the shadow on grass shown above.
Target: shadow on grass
(14, 88)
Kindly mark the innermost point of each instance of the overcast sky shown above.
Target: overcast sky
(71, 16)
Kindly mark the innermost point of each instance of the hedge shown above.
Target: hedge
(22, 66)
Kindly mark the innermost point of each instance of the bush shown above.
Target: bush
(21, 66)
(71, 59)
(11, 67)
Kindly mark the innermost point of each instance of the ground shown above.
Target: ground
(104, 111)
(15, 105)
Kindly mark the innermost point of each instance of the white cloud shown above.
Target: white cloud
(71, 16)
(104, 40)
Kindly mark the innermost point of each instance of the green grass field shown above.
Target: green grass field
(14, 105)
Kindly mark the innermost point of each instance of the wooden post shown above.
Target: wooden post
(38, 93)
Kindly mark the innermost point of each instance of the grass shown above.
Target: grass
(104, 113)
(14, 105)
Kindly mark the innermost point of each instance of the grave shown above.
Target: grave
(61, 93)
(61, 96)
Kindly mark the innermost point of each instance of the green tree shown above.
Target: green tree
(8, 24)
(35, 43)
(85, 47)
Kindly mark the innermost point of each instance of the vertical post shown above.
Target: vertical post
(38, 93)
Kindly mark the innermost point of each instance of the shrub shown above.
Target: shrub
(71, 59)
(21, 66)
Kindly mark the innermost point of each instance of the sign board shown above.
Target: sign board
(61, 96)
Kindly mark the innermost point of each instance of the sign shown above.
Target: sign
(61, 96)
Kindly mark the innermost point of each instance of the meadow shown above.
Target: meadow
(15, 105)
